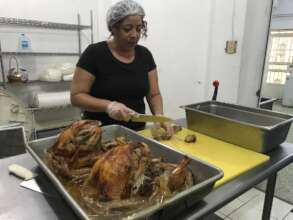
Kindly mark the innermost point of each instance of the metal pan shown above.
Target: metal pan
(205, 174)
(256, 129)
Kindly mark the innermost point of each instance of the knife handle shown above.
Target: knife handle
(21, 171)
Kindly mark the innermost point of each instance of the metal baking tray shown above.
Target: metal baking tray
(205, 174)
(256, 129)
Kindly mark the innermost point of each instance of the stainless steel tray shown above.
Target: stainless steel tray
(256, 129)
(205, 174)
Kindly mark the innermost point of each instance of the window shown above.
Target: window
(281, 56)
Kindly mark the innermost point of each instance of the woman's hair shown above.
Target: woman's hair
(121, 10)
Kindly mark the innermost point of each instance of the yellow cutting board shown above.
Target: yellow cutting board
(232, 159)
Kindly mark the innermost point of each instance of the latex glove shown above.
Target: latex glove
(162, 131)
(119, 111)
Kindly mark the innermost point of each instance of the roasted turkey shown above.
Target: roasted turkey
(76, 149)
(117, 173)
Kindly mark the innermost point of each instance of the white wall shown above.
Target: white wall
(187, 39)
(252, 58)
(221, 66)
(178, 39)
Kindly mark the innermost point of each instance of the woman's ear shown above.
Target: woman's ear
(114, 30)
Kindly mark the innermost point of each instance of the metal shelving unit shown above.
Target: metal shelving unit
(41, 24)
(17, 22)
(44, 119)
(39, 53)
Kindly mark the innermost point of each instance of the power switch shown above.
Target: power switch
(231, 46)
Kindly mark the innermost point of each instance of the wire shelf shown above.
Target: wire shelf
(6, 21)
(41, 24)
(48, 108)
(39, 53)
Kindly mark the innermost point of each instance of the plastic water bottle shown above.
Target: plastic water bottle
(24, 43)
(24, 74)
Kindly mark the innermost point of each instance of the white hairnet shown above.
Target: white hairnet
(122, 9)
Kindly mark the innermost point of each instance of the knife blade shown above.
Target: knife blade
(149, 118)
(28, 176)
(32, 185)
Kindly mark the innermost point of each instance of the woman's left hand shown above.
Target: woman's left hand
(168, 128)
(162, 131)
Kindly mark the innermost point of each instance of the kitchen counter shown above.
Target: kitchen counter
(17, 202)
(20, 203)
(279, 158)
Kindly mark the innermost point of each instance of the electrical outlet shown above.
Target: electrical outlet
(231, 46)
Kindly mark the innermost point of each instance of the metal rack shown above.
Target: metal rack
(56, 124)
(40, 53)
(44, 119)
(41, 24)
(49, 120)
(44, 25)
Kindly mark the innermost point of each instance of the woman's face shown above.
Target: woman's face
(128, 31)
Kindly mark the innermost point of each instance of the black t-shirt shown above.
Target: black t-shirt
(117, 81)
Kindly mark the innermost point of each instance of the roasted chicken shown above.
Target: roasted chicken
(129, 171)
(117, 169)
(113, 174)
(76, 149)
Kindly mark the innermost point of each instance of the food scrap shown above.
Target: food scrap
(176, 128)
(160, 134)
(190, 138)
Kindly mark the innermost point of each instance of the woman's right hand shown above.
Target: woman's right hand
(119, 111)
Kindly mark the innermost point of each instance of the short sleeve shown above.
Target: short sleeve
(87, 60)
(151, 61)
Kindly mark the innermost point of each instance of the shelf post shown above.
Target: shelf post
(2, 67)
(79, 33)
(92, 34)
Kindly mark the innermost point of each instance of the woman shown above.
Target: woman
(113, 77)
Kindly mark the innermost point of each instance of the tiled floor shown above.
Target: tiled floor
(249, 207)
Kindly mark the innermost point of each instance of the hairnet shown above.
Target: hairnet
(122, 9)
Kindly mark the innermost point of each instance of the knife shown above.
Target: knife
(149, 118)
(32, 185)
(28, 176)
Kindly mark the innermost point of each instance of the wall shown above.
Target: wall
(221, 66)
(254, 49)
(178, 40)
(187, 40)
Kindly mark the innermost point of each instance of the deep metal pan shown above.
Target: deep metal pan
(205, 174)
(256, 129)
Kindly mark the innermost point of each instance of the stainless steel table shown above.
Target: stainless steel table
(20, 203)
(279, 158)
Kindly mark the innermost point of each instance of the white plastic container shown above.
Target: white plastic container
(288, 92)
(24, 43)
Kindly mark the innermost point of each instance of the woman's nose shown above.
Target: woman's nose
(134, 33)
